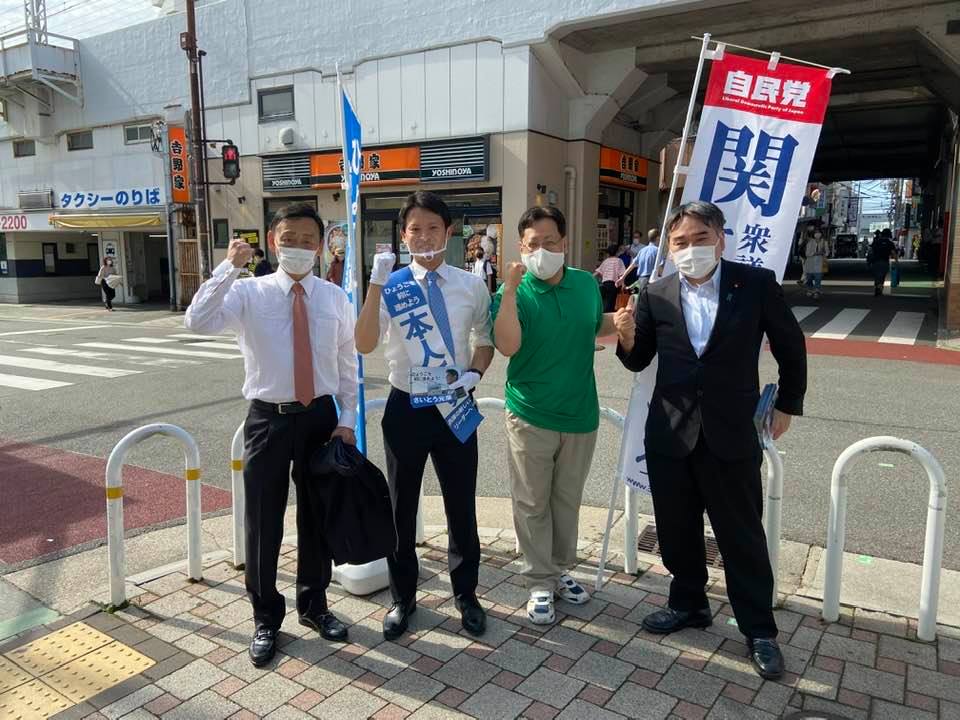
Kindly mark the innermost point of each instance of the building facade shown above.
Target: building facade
(497, 106)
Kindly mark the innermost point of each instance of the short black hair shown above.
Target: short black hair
(454, 372)
(538, 213)
(613, 250)
(297, 210)
(706, 212)
(426, 201)
(258, 252)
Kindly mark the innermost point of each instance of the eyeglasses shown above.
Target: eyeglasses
(548, 245)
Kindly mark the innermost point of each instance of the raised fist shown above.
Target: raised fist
(382, 267)
(625, 324)
(240, 253)
(514, 275)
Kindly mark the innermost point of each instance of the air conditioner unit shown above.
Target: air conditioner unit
(287, 136)
(35, 200)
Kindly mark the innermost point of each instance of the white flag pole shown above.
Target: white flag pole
(631, 531)
(684, 138)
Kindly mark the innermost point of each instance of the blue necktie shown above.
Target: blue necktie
(439, 309)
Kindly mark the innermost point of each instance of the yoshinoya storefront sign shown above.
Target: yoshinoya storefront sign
(623, 169)
(461, 160)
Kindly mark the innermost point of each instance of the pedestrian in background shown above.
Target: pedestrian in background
(706, 324)
(261, 266)
(106, 289)
(335, 271)
(882, 252)
(546, 321)
(610, 271)
(296, 335)
(642, 266)
(483, 269)
(815, 252)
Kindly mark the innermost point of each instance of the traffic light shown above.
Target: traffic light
(231, 161)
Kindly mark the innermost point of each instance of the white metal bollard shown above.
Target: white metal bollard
(773, 510)
(933, 543)
(238, 509)
(114, 491)
(772, 514)
(616, 419)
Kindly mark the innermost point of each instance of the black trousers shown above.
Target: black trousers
(273, 442)
(108, 294)
(732, 495)
(409, 437)
(608, 293)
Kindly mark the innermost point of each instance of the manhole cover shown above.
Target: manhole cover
(648, 543)
(814, 715)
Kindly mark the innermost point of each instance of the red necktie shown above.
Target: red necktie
(302, 353)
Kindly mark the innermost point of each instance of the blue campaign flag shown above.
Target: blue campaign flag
(351, 178)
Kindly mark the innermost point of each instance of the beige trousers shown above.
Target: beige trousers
(548, 470)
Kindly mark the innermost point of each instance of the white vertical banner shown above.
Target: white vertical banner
(755, 145)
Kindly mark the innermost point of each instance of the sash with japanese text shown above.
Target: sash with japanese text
(411, 315)
(757, 137)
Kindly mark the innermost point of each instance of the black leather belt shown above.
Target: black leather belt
(290, 408)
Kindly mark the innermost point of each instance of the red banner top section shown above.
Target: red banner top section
(788, 92)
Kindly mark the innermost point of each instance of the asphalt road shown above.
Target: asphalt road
(848, 399)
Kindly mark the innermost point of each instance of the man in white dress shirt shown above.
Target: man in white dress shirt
(427, 313)
(296, 334)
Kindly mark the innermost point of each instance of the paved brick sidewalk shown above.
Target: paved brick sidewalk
(596, 662)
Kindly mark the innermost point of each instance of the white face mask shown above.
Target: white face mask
(543, 263)
(296, 261)
(696, 261)
(429, 255)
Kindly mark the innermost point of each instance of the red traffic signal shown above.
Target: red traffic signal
(230, 155)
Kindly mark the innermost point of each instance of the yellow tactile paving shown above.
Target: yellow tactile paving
(97, 671)
(11, 675)
(32, 701)
(58, 648)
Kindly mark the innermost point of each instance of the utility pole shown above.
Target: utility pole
(188, 42)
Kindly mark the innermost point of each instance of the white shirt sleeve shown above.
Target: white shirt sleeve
(482, 325)
(218, 304)
(348, 364)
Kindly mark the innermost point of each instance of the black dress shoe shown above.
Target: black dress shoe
(263, 646)
(767, 658)
(668, 620)
(472, 616)
(395, 623)
(327, 625)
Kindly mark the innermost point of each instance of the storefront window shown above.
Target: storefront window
(470, 212)
(615, 213)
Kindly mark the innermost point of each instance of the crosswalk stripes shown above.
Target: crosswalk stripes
(878, 324)
(903, 329)
(106, 359)
(113, 356)
(842, 324)
(163, 350)
(192, 336)
(30, 383)
(66, 368)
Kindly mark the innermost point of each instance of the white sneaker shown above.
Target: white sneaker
(540, 608)
(571, 591)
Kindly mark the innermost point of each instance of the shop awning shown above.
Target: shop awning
(90, 221)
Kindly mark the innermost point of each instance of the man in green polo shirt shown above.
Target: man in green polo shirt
(546, 320)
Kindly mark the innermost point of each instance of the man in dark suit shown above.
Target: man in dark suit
(707, 323)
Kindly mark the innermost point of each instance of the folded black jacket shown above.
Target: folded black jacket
(354, 501)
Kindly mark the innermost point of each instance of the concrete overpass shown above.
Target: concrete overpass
(894, 116)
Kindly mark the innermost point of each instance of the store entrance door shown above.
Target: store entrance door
(381, 232)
